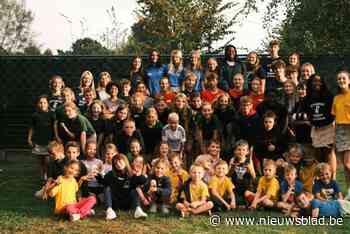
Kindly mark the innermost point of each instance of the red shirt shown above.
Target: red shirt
(234, 93)
(168, 97)
(257, 99)
(210, 96)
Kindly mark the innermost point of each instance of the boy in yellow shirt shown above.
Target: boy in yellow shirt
(194, 194)
(268, 187)
(221, 188)
(177, 175)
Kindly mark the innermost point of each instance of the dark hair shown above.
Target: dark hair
(110, 85)
(226, 50)
(270, 114)
(158, 63)
(73, 144)
(41, 97)
(324, 92)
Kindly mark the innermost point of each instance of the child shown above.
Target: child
(212, 92)
(141, 88)
(113, 102)
(276, 83)
(174, 134)
(341, 110)
(268, 187)
(221, 188)
(242, 173)
(151, 132)
(163, 154)
(165, 90)
(194, 194)
(104, 80)
(325, 188)
(208, 126)
(56, 86)
(72, 151)
(40, 133)
(109, 153)
(64, 191)
(333, 208)
(254, 69)
(115, 125)
(137, 109)
(154, 72)
(274, 48)
(125, 86)
(196, 104)
(238, 89)
(94, 167)
(162, 108)
(89, 96)
(307, 69)
(58, 160)
(270, 142)
(256, 93)
(189, 84)
(318, 104)
(290, 186)
(293, 74)
(135, 149)
(120, 189)
(176, 71)
(158, 188)
(129, 132)
(195, 67)
(177, 176)
(136, 73)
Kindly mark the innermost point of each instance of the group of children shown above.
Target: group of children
(195, 140)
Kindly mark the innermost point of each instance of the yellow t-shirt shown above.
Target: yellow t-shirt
(221, 186)
(306, 176)
(197, 192)
(174, 180)
(269, 187)
(64, 193)
(341, 108)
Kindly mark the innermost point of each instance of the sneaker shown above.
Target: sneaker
(164, 210)
(110, 214)
(153, 208)
(92, 212)
(139, 213)
(74, 217)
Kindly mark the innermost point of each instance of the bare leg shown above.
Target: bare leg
(346, 162)
(203, 208)
(332, 161)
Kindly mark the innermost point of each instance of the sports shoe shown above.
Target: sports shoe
(110, 214)
(139, 213)
(164, 209)
(92, 212)
(153, 208)
(74, 217)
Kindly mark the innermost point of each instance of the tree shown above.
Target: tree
(15, 26)
(184, 24)
(86, 46)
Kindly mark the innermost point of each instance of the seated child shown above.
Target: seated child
(325, 188)
(158, 188)
(174, 134)
(177, 176)
(135, 149)
(331, 208)
(242, 173)
(307, 173)
(109, 152)
(164, 154)
(221, 188)
(58, 160)
(289, 187)
(294, 156)
(94, 167)
(194, 194)
(64, 190)
(120, 189)
(268, 187)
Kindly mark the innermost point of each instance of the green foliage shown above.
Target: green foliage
(15, 26)
(86, 46)
(184, 24)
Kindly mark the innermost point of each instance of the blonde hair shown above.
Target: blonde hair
(55, 146)
(56, 77)
(70, 91)
(85, 74)
(323, 167)
(171, 65)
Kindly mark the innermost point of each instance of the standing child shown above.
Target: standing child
(256, 92)
(104, 80)
(325, 188)
(125, 86)
(56, 86)
(254, 69)
(238, 89)
(113, 102)
(196, 68)
(164, 153)
(58, 160)
(176, 71)
(341, 111)
(86, 82)
(115, 124)
(194, 194)
(137, 109)
(212, 92)
(189, 84)
(64, 190)
(158, 188)
(221, 188)
(268, 187)
(40, 133)
(307, 69)
(242, 173)
(162, 108)
(290, 186)
(128, 133)
(135, 150)
(174, 134)
(165, 90)
(177, 176)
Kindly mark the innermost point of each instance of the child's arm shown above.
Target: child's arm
(216, 134)
(30, 136)
(69, 133)
(315, 212)
(340, 195)
(165, 190)
(215, 194)
(319, 196)
(233, 199)
(55, 129)
(257, 199)
(251, 170)
(286, 195)
(83, 140)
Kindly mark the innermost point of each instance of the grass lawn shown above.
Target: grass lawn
(20, 212)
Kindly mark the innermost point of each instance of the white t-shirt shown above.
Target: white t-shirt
(176, 138)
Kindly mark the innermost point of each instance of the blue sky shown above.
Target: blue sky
(56, 31)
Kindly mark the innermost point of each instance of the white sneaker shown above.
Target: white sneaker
(139, 213)
(164, 209)
(92, 212)
(74, 217)
(110, 214)
(153, 208)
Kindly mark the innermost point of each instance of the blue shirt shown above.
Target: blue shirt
(200, 77)
(326, 208)
(297, 189)
(176, 77)
(329, 191)
(154, 74)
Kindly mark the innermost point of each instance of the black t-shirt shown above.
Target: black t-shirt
(99, 125)
(319, 110)
(300, 124)
(42, 125)
(208, 126)
(55, 101)
(151, 136)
